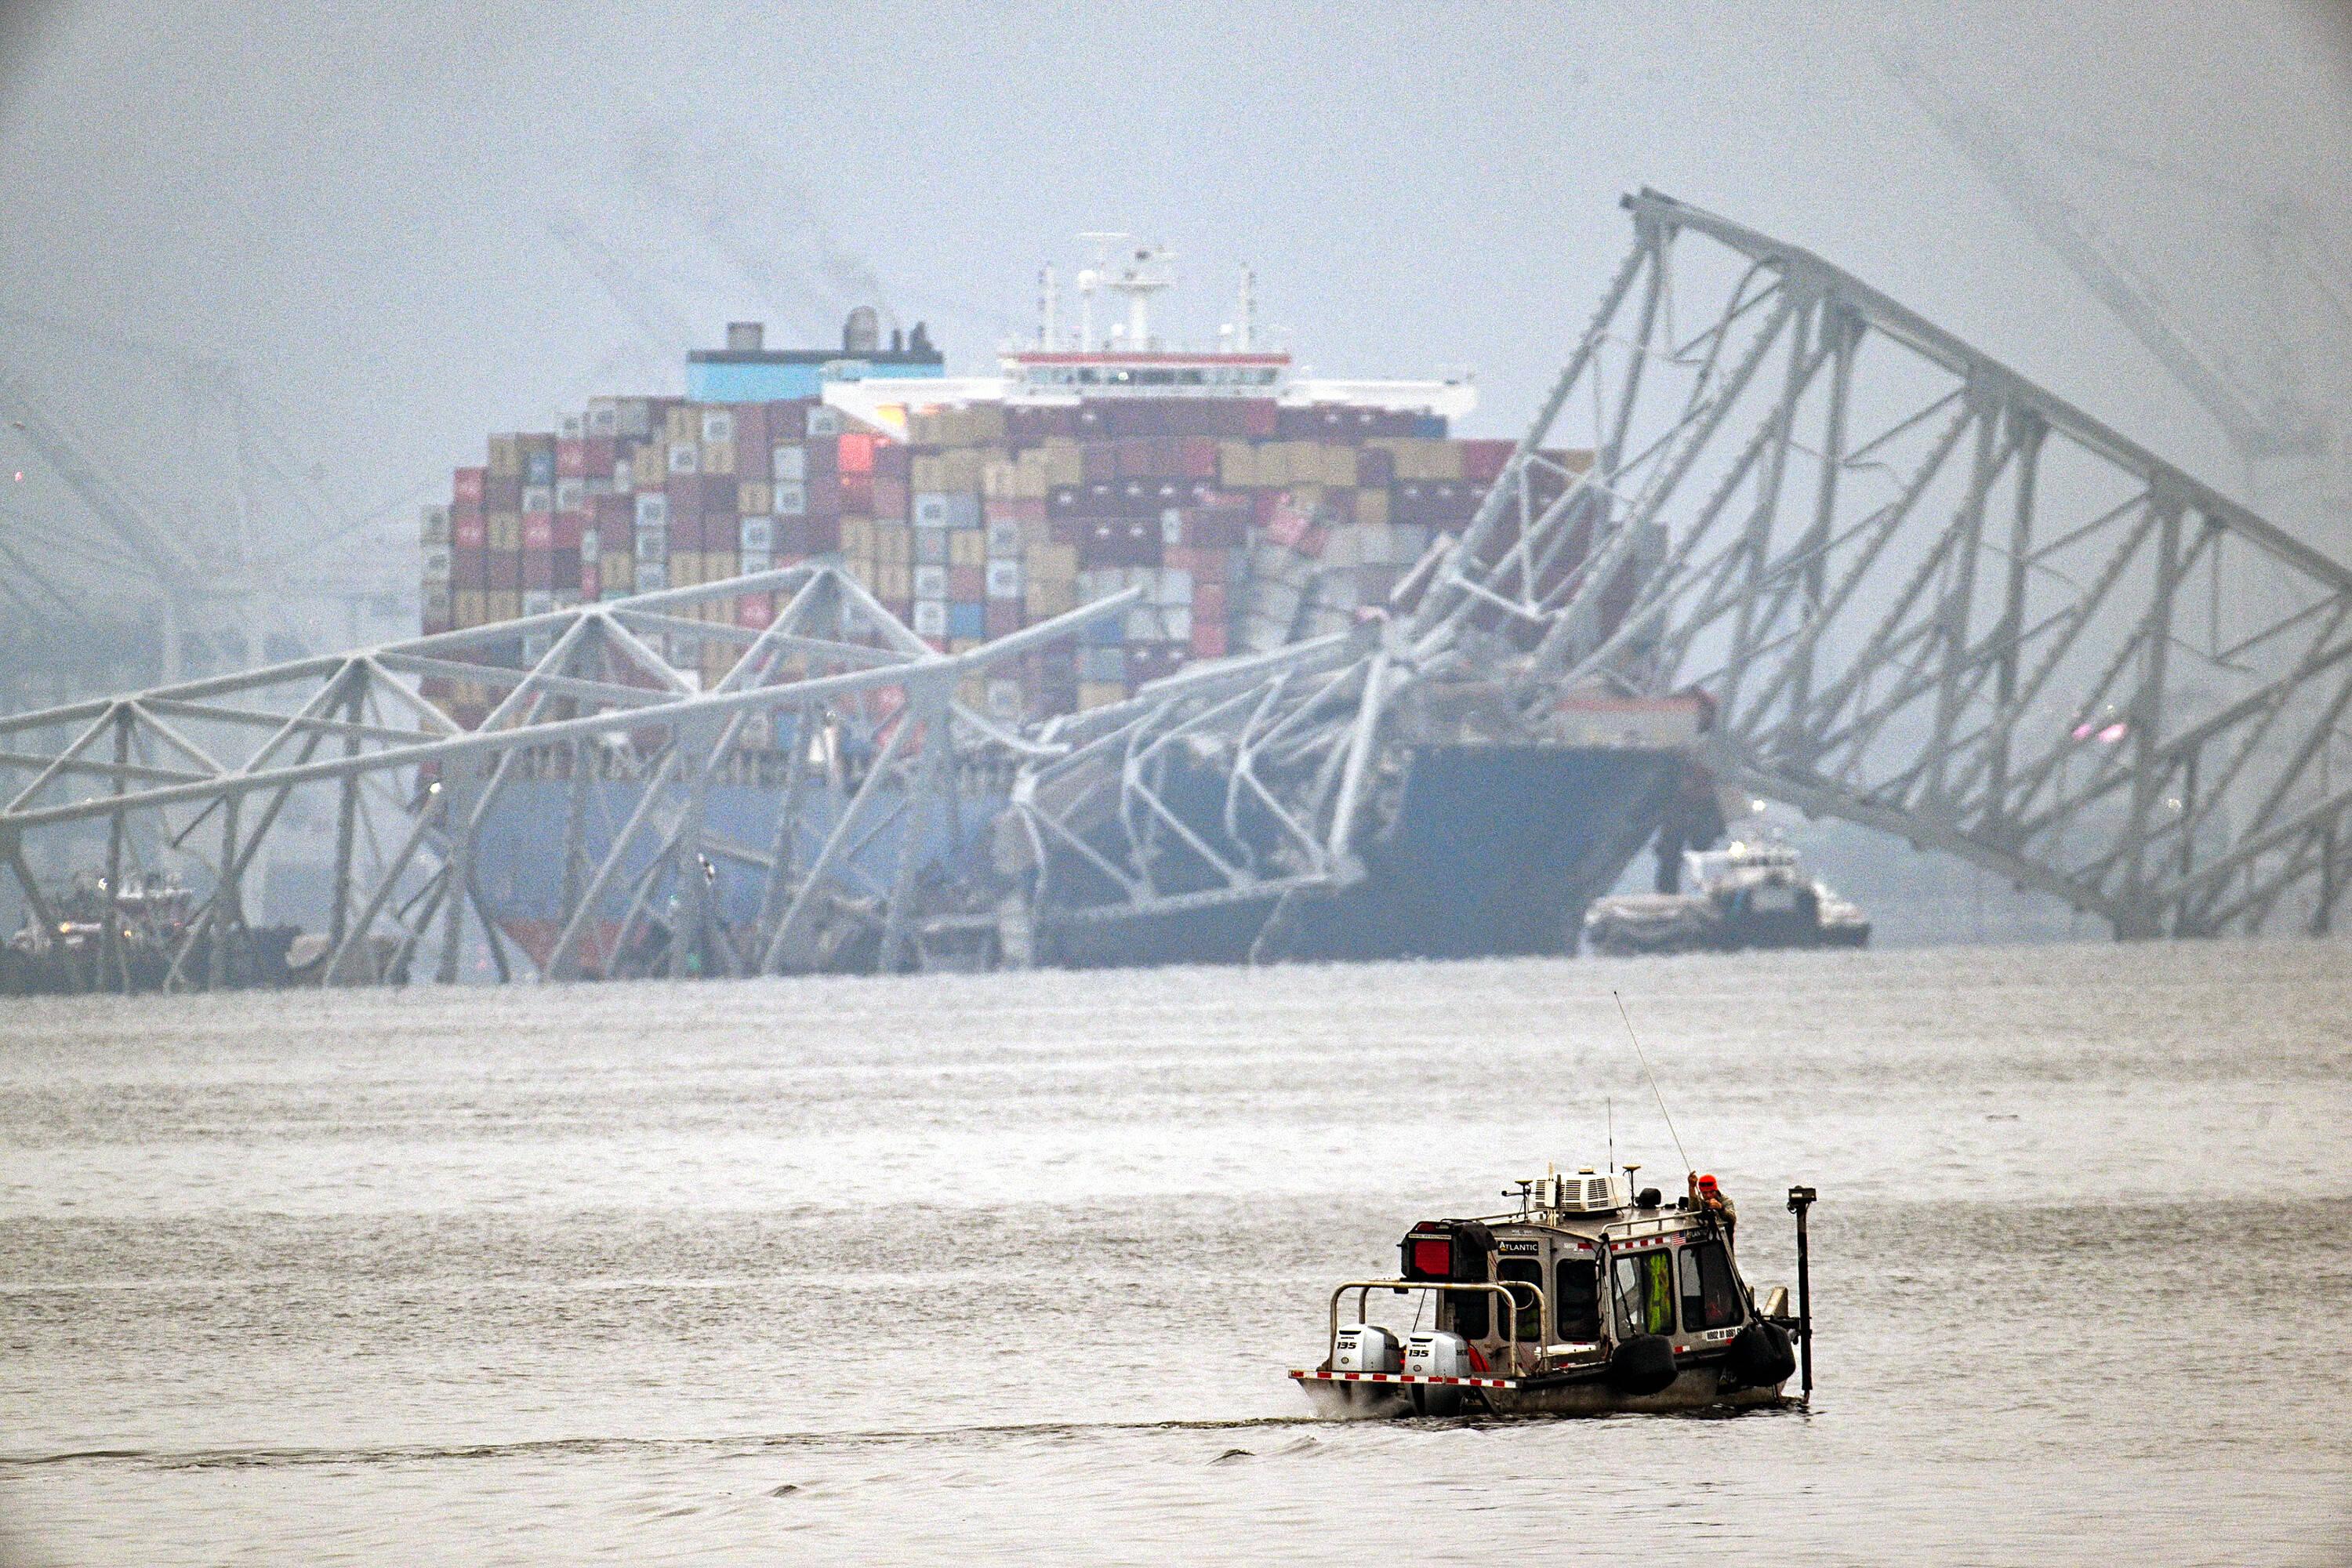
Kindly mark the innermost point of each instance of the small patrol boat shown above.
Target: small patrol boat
(1589, 1300)
(1749, 896)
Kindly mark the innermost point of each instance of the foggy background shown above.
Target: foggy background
(274, 271)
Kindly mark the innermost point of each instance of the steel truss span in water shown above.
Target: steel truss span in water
(1916, 591)
(1929, 596)
(203, 772)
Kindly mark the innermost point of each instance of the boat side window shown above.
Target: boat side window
(1710, 1294)
(1525, 1272)
(1576, 1299)
(1645, 1293)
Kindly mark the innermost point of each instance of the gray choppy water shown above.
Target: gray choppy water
(1007, 1268)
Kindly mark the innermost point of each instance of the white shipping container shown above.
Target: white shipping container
(624, 477)
(1175, 623)
(791, 499)
(790, 463)
(570, 494)
(930, 581)
(1174, 587)
(653, 544)
(1004, 579)
(591, 547)
(436, 563)
(1004, 700)
(930, 618)
(750, 561)
(653, 576)
(539, 498)
(653, 510)
(603, 416)
(930, 509)
(1172, 526)
(756, 533)
(685, 457)
(718, 426)
(1141, 624)
(1102, 664)
(1004, 540)
(827, 422)
(538, 602)
(433, 528)
(572, 426)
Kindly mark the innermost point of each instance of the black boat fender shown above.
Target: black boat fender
(1761, 1356)
(1642, 1365)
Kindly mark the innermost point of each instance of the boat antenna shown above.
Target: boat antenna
(1653, 1082)
(1610, 1101)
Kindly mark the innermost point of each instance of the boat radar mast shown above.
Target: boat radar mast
(1139, 272)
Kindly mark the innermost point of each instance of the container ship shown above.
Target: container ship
(1252, 505)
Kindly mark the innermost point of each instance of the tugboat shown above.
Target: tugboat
(1749, 895)
(1589, 1300)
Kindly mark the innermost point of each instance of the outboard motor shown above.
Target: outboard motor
(1365, 1347)
(1432, 1354)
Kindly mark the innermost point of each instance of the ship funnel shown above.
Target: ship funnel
(862, 332)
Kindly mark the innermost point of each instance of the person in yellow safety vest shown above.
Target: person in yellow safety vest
(1711, 1200)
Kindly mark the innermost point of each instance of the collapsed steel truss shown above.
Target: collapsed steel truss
(1929, 596)
(863, 714)
(1923, 594)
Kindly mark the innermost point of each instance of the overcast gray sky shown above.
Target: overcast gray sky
(353, 204)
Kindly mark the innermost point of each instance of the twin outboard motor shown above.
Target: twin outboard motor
(1365, 1347)
(1428, 1353)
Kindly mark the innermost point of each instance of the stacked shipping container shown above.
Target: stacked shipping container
(1246, 523)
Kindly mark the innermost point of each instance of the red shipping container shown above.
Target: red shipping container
(1285, 525)
(1199, 457)
(1259, 416)
(1483, 460)
(469, 568)
(572, 459)
(502, 492)
(537, 568)
(823, 457)
(592, 584)
(1003, 617)
(890, 495)
(569, 527)
(755, 610)
(506, 569)
(750, 431)
(1098, 459)
(1208, 637)
(792, 536)
(892, 460)
(466, 487)
(967, 585)
(1208, 599)
(539, 532)
(596, 453)
(824, 535)
(856, 453)
(824, 495)
(857, 494)
(687, 533)
(466, 530)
